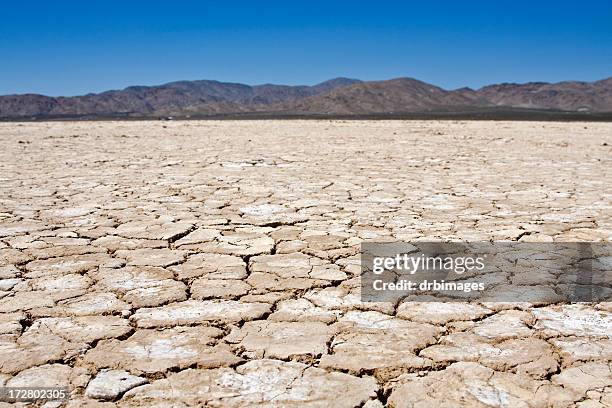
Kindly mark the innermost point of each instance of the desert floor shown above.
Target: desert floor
(217, 262)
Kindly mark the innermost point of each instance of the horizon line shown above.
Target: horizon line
(300, 85)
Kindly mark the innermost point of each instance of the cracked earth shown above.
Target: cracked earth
(217, 263)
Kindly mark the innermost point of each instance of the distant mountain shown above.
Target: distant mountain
(567, 96)
(406, 95)
(339, 96)
(175, 98)
(393, 96)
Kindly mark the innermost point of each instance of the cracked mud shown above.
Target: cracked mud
(217, 263)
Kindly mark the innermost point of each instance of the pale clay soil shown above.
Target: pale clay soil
(217, 263)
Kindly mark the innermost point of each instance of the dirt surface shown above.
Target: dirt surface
(217, 263)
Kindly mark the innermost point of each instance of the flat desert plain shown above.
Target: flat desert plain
(217, 262)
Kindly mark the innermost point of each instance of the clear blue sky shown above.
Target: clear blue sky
(74, 47)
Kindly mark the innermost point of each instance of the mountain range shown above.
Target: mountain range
(336, 97)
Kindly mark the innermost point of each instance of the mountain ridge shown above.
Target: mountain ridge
(338, 96)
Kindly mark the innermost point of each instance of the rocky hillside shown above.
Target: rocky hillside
(407, 95)
(175, 98)
(340, 96)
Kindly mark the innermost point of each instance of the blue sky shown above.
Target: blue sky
(75, 47)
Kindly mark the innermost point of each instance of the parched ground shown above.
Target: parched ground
(216, 263)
